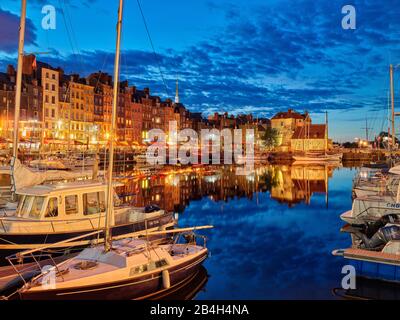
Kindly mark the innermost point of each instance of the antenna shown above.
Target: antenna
(366, 129)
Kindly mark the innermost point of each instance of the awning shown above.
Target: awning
(122, 143)
(55, 141)
(80, 142)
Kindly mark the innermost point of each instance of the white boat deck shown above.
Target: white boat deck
(44, 189)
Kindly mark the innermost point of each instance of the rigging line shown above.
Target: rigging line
(79, 55)
(154, 51)
(66, 28)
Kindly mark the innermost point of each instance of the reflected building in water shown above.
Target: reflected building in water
(173, 191)
(296, 184)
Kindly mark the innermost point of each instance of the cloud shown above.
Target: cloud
(9, 26)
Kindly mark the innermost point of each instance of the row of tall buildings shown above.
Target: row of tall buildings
(57, 108)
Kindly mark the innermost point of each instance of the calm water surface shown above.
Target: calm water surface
(274, 230)
(262, 248)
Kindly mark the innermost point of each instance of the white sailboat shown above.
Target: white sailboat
(311, 156)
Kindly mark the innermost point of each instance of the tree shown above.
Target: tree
(350, 145)
(270, 180)
(270, 138)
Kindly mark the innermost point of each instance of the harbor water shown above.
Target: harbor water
(274, 229)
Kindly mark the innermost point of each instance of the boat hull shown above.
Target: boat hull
(376, 270)
(144, 287)
(316, 159)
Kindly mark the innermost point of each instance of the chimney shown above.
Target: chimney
(28, 62)
(10, 70)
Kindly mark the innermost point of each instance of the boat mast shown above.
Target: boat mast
(18, 88)
(392, 103)
(326, 131)
(110, 198)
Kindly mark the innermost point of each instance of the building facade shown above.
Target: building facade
(50, 86)
(286, 123)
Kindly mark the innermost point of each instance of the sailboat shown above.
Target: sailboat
(130, 268)
(374, 222)
(318, 156)
(119, 269)
(50, 213)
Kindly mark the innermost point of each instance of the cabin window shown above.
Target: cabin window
(71, 204)
(36, 207)
(93, 202)
(149, 266)
(140, 269)
(52, 208)
(161, 263)
(24, 209)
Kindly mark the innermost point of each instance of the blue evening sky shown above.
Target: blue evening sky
(259, 56)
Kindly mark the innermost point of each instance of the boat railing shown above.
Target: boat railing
(366, 210)
(38, 252)
(52, 224)
(20, 272)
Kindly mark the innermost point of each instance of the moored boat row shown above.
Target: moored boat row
(374, 225)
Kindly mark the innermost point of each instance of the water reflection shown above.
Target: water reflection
(273, 233)
(187, 290)
(173, 191)
(369, 289)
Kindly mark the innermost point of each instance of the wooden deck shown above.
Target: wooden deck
(376, 256)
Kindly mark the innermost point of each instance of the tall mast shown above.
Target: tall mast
(177, 91)
(18, 88)
(326, 130)
(392, 102)
(110, 198)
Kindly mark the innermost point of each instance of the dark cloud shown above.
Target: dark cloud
(9, 26)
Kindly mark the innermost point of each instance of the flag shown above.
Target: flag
(34, 66)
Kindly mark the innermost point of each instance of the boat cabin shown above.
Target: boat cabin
(64, 207)
(62, 201)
